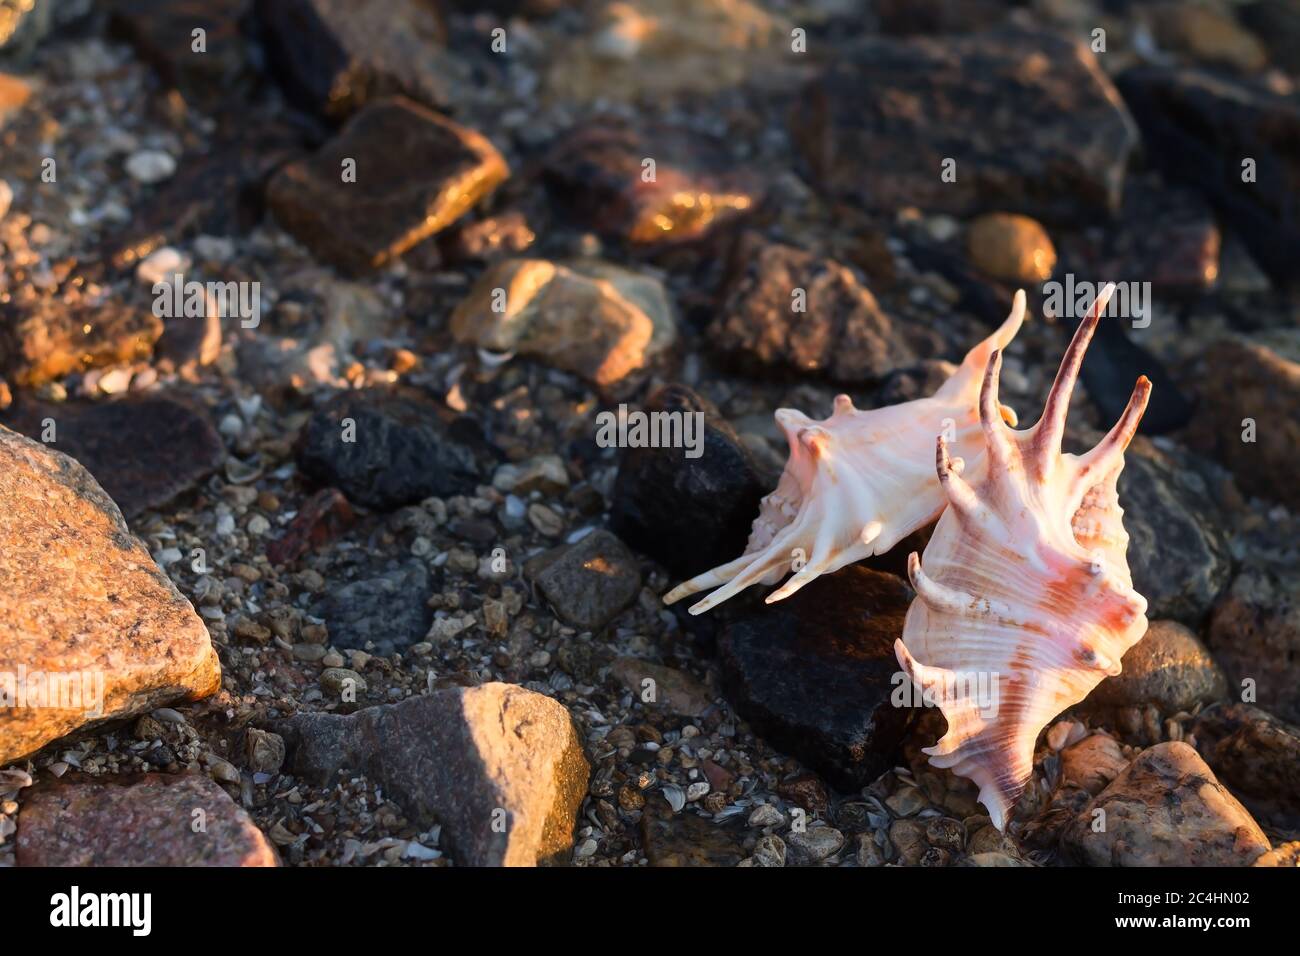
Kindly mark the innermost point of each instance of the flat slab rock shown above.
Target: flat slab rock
(143, 451)
(417, 172)
(81, 597)
(500, 767)
(814, 674)
(1030, 120)
(149, 820)
(1165, 809)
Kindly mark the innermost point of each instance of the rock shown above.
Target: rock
(150, 166)
(264, 750)
(815, 845)
(597, 320)
(766, 815)
(1249, 391)
(335, 56)
(769, 851)
(587, 583)
(401, 450)
(14, 94)
(1041, 131)
(815, 674)
(489, 239)
(911, 17)
(413, 173)
(1199, 129)
(1277, 24)
(836, 329)
(598, 170)
(1092, 764)
(46, 339)
(1257, 754)
(992, 859)
(1176, 553)
(1254, 633)
(662, 498)
(500, 767)
(1208, 36)
(147, 820)
(162, 32)
(675, 691)
(1012, 248)
(389, 610)
(1165, 809)
(683, 839)
(1287, 855)
(545, 473)
(81, 598)
(321, 519)
(660, 49)
(1169, 668)
(144, 452)
(23, 24)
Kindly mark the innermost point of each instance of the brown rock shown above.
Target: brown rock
(1165, 809)
(1248, 388)
(1256, 753)
(81, 598)
(1254, 632)
(1092, 764)
(1208, 36)
(834, 328)
(14, 94)
(1169, 668)
(46, 339)
(594, 319)
(150, 820)
(676, 691)
(685, 839)
(322, 517)
(499, 766)
(143, 451)
(1011, 247)
(1286, 855)
(587, 583)
(416, 171)
(335, 56)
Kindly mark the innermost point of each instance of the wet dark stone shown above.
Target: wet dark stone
(597, 169)
(589, 582)
(1254, 633)
(334, 56)
(143, 451)
(162, 33)
(416, 171)
(1111, 369)
(842, 333)
(1177, 551)
(685, 839)
(1199, 128)
(403, 452)
(1033, 124)
(689, 514)
(814, 674)
(46, 339)
(389, 610)
(1169, 668)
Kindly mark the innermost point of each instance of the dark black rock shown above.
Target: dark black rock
(1111, 369)
(689, 514)
(814, 674)
(389, 610)
(1199, 129)
(402, 452)
(1033, 125)
(587, 583)
(1177, 551)
(143, 451)
(334, 56)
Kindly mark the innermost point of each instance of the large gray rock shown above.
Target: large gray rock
(82, 601)
(1165, 809)
(500, 767)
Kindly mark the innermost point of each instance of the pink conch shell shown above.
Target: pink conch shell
(856, 483)
(1025, 602)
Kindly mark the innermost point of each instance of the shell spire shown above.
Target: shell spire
(1024, 598)
(856, 483)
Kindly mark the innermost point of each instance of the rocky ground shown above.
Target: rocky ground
(434, 596)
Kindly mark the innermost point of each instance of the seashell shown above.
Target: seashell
(1024, 598)
(856, 483)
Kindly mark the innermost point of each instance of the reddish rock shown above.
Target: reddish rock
(322, 517)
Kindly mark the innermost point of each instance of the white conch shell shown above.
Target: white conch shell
(1025, 602)
(856, 483)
